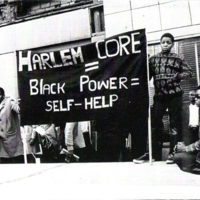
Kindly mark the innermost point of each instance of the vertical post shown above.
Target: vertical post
(90, 131)
(149, 111)
(24, 131)
(197, 63)
(149, 136)
(95, 133)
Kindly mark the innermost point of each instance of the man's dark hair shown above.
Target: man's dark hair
(167, 35)
(2, 91)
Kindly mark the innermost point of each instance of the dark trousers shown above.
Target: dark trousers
(187, 161)
(174, 106)
(109, 144)
(86, 154)
(193, 134)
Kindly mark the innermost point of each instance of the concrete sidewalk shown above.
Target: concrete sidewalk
(97, 181)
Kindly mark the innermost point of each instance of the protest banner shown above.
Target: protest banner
(107, 78)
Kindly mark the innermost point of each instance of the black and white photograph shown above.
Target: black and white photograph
(99, 99)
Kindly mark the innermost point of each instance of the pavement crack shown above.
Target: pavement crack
(30, 175)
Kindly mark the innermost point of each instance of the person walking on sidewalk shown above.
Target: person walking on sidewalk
(168, 70)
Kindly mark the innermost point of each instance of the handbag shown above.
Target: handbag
(48, 148)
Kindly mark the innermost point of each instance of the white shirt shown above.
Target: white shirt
(193, 115)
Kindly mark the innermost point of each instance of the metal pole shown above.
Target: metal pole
(149, 136)
(24, 131)
(149, 112)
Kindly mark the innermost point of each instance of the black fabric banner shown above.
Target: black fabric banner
(103, 80)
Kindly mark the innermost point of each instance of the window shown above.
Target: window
(11, 11)
(32, 7)
(97, 19)
(7, 13)
(189, 50)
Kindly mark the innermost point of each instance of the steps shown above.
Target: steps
(165, 150)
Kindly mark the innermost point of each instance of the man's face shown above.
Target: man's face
(192, 95)
(166, 44)
(197, 99)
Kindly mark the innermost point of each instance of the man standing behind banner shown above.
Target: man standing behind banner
(11, 147)
(167, 69)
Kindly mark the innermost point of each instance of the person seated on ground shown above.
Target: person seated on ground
(77, 141)
(187, 157)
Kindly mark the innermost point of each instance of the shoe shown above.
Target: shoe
(142, 159)
(170, 159)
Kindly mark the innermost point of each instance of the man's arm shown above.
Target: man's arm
(14, 106)
(151, 72)
(189, 148)
(186, 71)
(193, 147)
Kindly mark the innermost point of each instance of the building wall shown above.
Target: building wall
(51, 30)
(8, 74)
(45, 31)
(181, 18)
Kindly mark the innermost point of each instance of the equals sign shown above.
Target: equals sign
(134, 81)
(91, 66)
